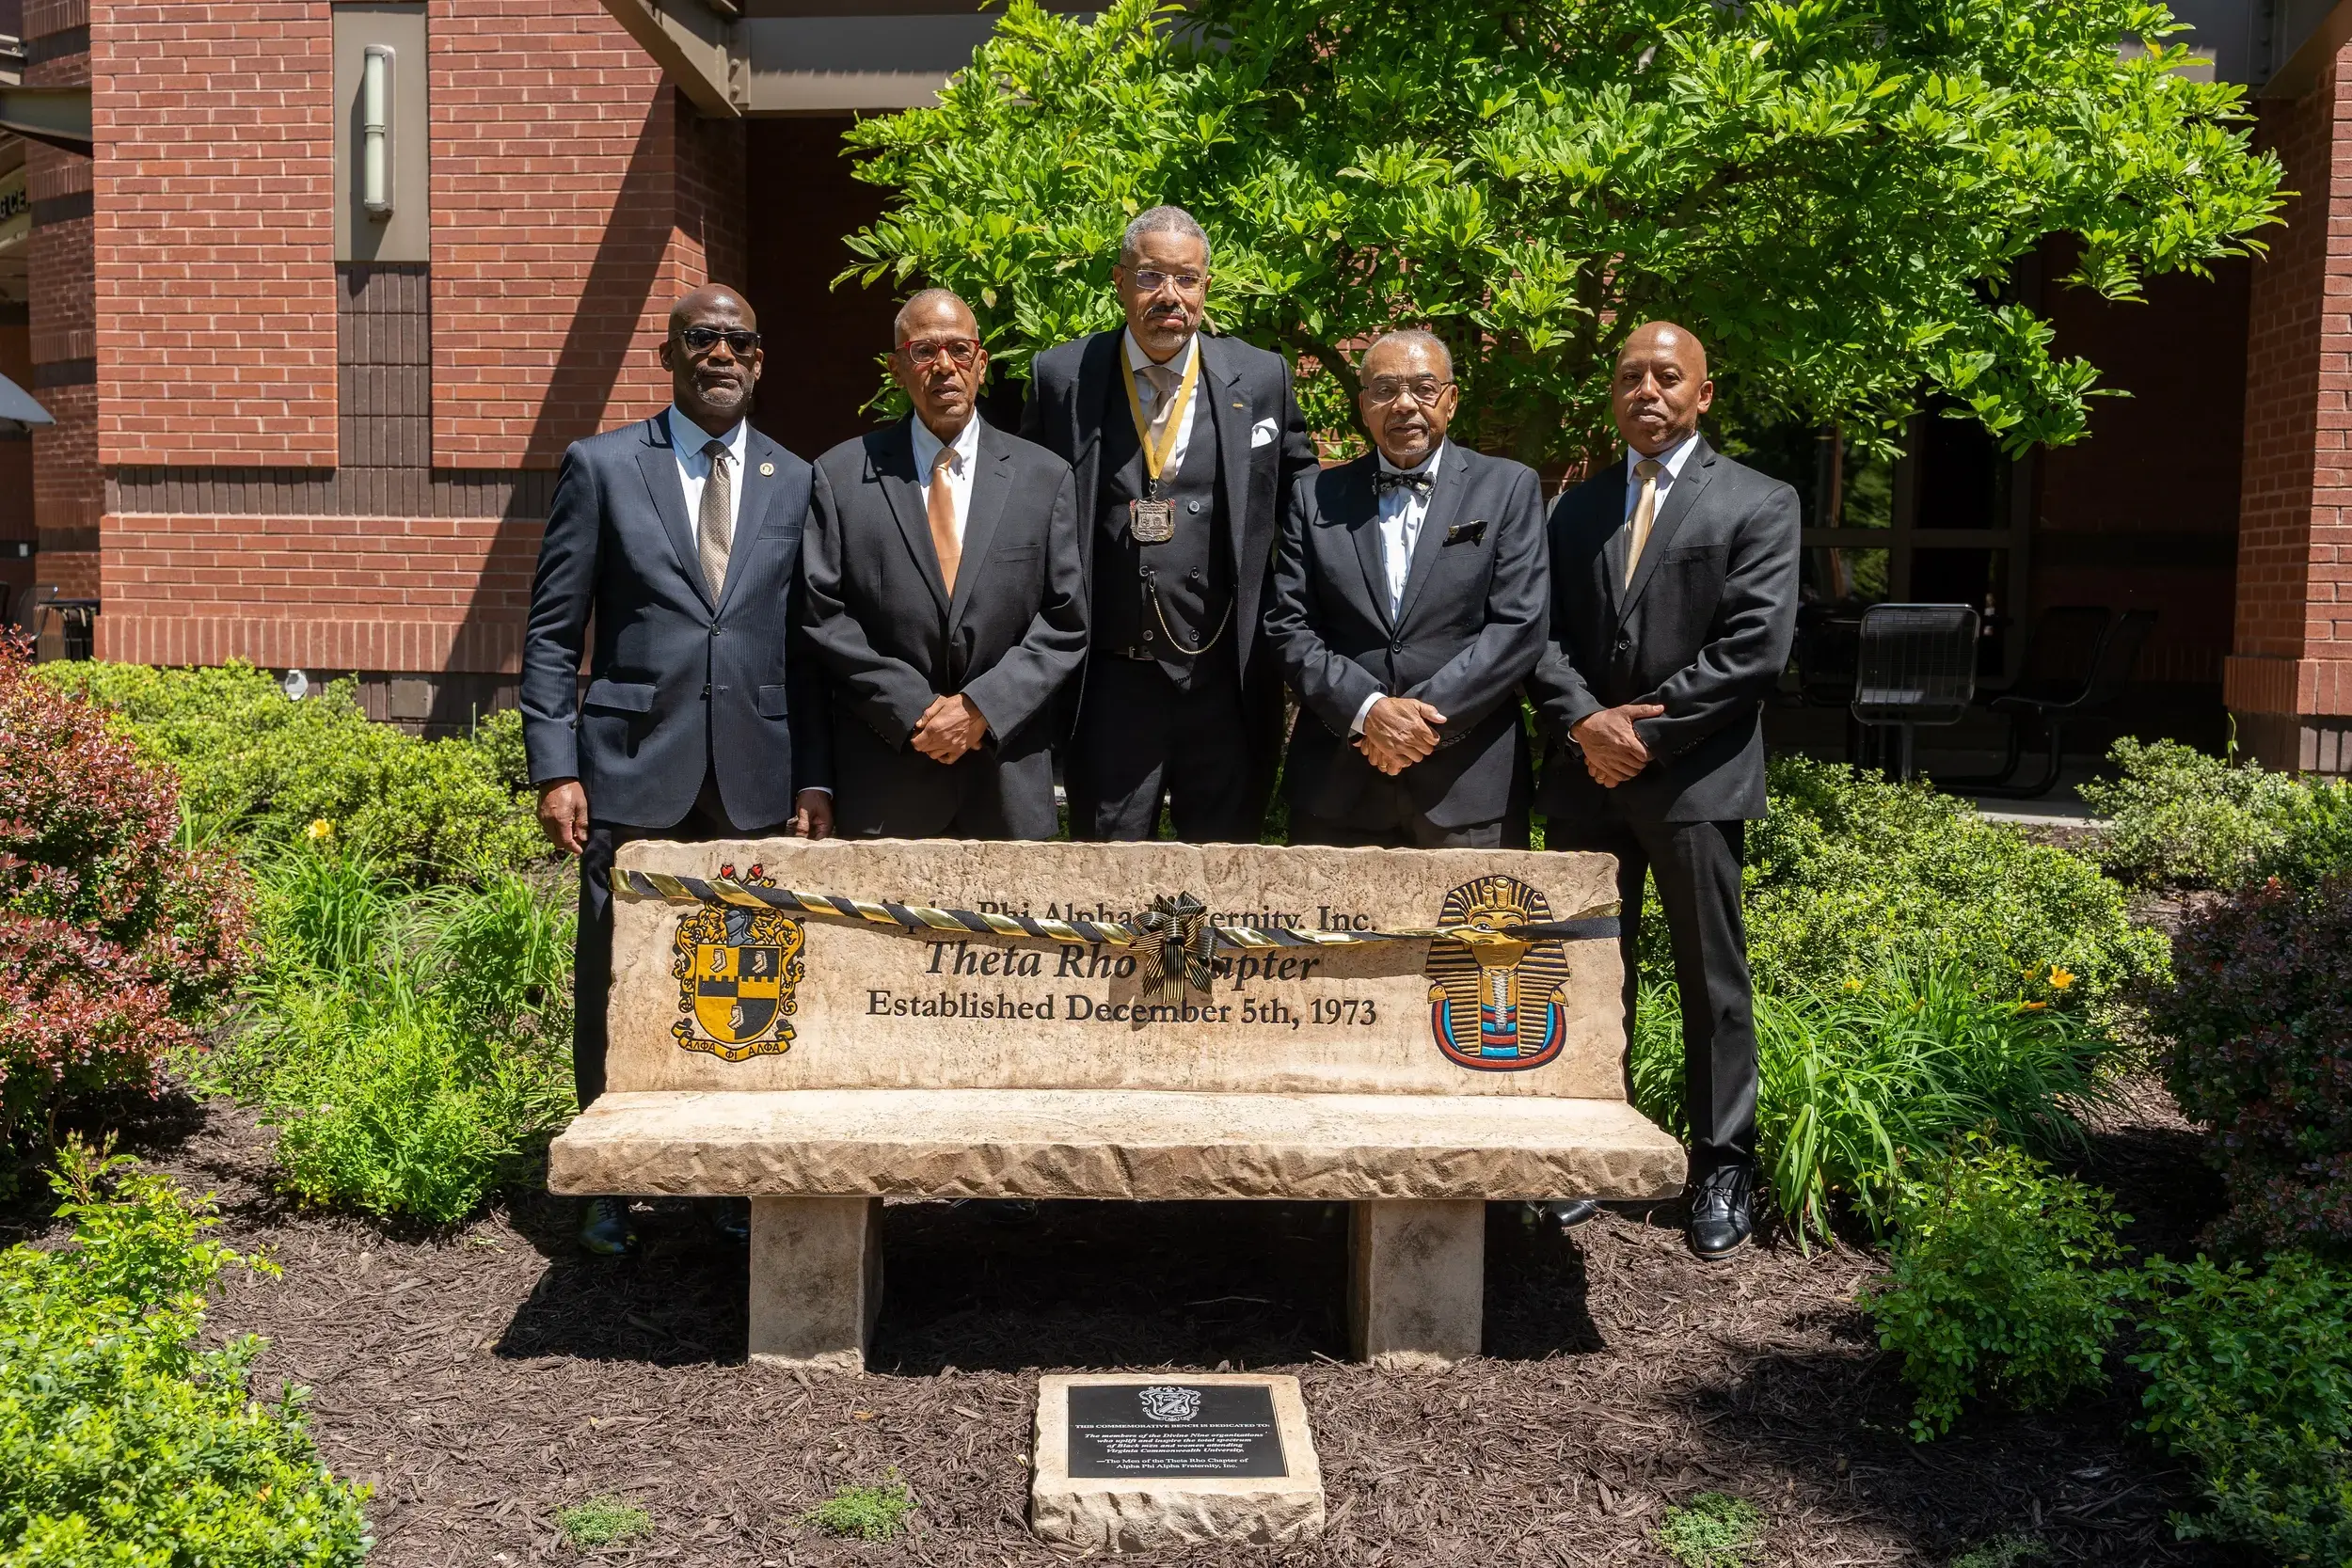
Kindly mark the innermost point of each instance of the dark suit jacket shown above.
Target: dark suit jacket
(1470, 628)
(1704, 629)
(892, 638)
(678, 686)
(1073, 384)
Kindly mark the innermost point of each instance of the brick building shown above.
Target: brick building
(297, 431)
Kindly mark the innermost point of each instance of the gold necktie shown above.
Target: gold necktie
(1163, 382)
(713, 530)
(1645, 513)
(941, 508)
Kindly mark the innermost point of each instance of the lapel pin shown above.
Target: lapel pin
(766, 468)
(1240, 406)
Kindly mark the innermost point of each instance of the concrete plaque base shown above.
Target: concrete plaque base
(1177, 1425)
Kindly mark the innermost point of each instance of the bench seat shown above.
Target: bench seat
(1142, 1143)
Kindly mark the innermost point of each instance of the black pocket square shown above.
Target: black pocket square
(1466, 533)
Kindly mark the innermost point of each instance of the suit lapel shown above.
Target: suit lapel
(758, 491)
(1089, 405)
(1697, 469)
(1363, 505)
(992, 476)
(1445, 503)
(1216, 396)
(892, 454)
(659, 464)
(1612, 506)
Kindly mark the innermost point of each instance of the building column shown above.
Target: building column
(2288, 681)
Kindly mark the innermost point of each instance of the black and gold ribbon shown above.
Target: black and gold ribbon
(1181, 918)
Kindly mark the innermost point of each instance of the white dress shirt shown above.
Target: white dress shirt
(964, 456)
(1403, 510)
(687, 439)
(1148, 396)
(1670, 464)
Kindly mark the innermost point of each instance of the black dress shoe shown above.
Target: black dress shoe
(1720, 1223)
(731, 1218)
(1566, 1213)
(604, 1228)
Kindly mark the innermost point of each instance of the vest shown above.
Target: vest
(1165, 599)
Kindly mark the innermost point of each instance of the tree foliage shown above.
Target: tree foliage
(1834, 193)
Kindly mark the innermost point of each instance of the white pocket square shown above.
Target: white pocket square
(1262, 434)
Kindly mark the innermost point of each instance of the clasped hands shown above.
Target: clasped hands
(1613, 751)
(949, 728)
(1398, 731)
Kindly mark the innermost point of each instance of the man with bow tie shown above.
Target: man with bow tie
(1185, 448)
(1408, 603)
(1674, 581)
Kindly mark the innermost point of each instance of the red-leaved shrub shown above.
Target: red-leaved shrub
(2259, 1021)
(113, 940)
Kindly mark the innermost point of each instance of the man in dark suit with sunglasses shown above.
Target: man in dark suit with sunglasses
(1185, 446)
(946, 599)
(679, 539)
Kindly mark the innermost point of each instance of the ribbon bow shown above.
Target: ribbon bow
(1175, 943)
(1390, 478)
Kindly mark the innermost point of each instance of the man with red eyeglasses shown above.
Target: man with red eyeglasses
(946, 599)
(678, 538)
(1185, 448)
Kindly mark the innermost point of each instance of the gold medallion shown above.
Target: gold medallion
(1152, 522)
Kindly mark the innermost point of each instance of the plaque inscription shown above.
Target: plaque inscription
(1173, 1431)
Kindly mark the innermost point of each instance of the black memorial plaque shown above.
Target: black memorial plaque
(1173, 1431)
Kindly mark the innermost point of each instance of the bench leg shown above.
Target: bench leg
(1416, 1282)
(816, 1281)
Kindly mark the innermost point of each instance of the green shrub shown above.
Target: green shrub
(864, 1513)
(255, 766)
(1853, 1083)
(1713, 1530)
(2004, 1551)
(2250, 1378)
(1997, 1284)
(1851, 875)
(123, 1443)
(2177, 816)
(413, 1049)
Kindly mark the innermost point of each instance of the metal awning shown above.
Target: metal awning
(808, 56)
(56, 115)
(19, 410)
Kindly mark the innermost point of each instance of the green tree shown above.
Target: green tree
(1834, 193)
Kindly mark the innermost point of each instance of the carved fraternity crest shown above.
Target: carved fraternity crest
(736, 970)
(1497, 1003)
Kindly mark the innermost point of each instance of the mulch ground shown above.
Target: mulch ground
(481, 1380)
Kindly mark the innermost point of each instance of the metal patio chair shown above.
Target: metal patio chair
(2054, 708)
(1915, 664)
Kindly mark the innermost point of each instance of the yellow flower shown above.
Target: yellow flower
(2061, 979)
(2031, 1007)
(1853, 985)
(320, 828)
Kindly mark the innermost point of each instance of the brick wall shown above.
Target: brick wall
(421, 593)
(2289, 678)
(215, 282)
(574, 199)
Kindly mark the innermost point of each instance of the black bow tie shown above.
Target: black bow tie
(1389, 479)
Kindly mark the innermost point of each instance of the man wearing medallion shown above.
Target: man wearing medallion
(672, 559)
(1409, 602)
(947, 601)
(1185, 446)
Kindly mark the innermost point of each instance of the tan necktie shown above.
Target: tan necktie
(1162, 381)
(1645, 513)
(712, 529)
(941, 508)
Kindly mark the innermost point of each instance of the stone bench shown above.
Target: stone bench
(819, 1065)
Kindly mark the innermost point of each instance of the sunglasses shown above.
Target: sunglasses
(957, 351)
(699, 341)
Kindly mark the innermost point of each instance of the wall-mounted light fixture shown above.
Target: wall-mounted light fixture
(376, 131)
